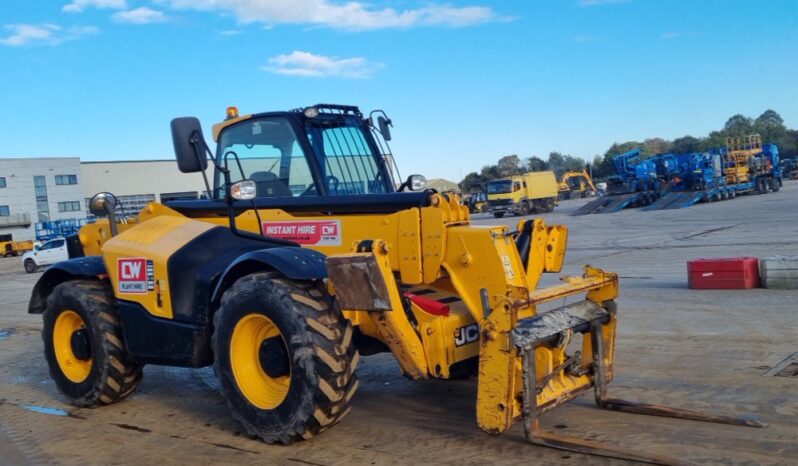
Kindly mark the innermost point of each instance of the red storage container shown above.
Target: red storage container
(723, 274)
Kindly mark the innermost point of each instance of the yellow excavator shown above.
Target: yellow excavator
(576, 184)
(310, 251)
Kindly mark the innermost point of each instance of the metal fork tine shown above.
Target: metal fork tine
(650, 409)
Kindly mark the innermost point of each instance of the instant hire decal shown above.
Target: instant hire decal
(135, 275)
(307, 232)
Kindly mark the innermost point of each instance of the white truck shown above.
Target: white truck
(48, 253)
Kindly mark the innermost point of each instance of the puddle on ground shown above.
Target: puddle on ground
(46, 410)
(5, 333)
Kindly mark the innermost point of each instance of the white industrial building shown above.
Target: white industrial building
(35, 191)
(136, 183)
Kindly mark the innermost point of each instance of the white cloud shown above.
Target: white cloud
(352, 15)
(141, 15)
(43, 34)
(230, 32)
(671, 35)
(76, 6)
(299, 63)
(600, 2)
(586, 38)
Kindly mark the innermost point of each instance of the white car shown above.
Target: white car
(48, 253)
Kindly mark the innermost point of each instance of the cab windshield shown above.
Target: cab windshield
(269, 152)
(347, 162)
(500, 187)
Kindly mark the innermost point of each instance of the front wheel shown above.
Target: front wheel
(284, 356)
(525, 208)
(30, 266)
(83, 345)
(498, 214)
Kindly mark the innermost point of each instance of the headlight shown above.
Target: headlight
(417, 182)
(244, 190)
(311, 112)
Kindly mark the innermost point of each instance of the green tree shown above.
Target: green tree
(685, 145)
(738, 125)
(509, 165)
(473, 182)
(770, 118)
(536, 164)
(654, 146)
(489, 172)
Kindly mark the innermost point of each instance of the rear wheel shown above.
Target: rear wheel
(83, 345)
(284, 356)
(548, 204)
(498, 214)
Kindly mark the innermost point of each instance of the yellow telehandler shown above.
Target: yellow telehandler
(309, 252)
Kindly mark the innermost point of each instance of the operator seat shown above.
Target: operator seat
(268, 184)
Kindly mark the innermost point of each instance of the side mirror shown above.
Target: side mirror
(190, 148)
(105, 204)
(416, 182)
(385, 127)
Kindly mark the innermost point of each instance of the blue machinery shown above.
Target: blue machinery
(675, 181)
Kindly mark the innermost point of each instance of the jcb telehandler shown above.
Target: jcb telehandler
(305, 255)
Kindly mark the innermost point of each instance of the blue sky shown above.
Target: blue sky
(465, 82)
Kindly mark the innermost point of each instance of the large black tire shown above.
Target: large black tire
(30, 266)
(525, 209)
(498, 214)
(110, 375)
(761, 186)
(309, 352)
(774, 185)
(549, 204)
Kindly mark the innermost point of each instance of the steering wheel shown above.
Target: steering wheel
(331, 180)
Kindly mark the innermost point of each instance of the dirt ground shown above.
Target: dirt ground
(704, 350)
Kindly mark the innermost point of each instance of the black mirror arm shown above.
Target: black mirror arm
(201, 151)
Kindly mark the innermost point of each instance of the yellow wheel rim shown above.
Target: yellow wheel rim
(67, 323)
(262, 390)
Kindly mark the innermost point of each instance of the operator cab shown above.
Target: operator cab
(324, 150)
(324, 158)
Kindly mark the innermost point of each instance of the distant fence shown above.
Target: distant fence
(60, 228)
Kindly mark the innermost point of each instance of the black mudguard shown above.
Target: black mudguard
(80, 267)
(295, 263)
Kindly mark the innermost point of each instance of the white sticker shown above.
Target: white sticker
(132, 275)
(508, 267)
(307, 232)
(707, 274)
